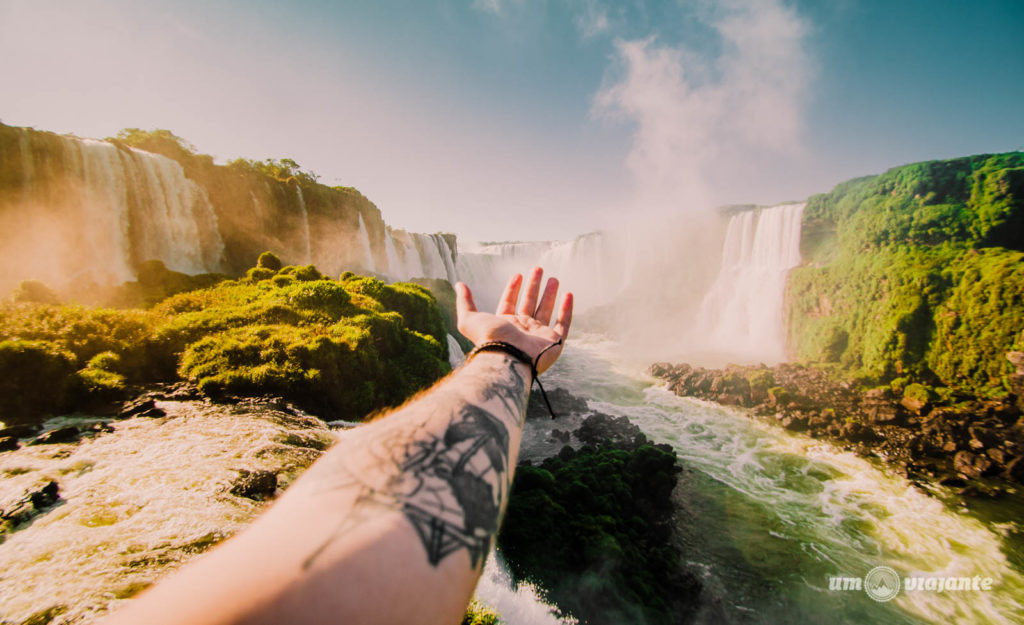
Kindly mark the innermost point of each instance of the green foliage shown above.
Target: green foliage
(479, 614)
(268, 260)
(283, 170)
(35, 377)
(905, 282)
(335, 352)
(444, 293)
(34, 291)
(592, 528)
(917, 392)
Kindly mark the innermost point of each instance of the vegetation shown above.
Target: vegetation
(339, 349)
(479, 614)
(916, 275)
(592, 528)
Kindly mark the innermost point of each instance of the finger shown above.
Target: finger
(463, 300)
(547, 302)
(564, 317)
(507, 303)
(529, 305)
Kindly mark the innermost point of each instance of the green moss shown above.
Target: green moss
(479, 614)
(918, 283)
(268, 260)
(593, 529)
(35, 378)
(334, 352)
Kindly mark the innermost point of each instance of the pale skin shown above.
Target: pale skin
(392, 524)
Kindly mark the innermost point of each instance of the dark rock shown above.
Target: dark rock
(32, 503)
(1015, 470)
(137, 406)
(67, 434)
(45, 496)
(256, 485)
(20, 431)
(8, 443)
(954, 482)
(601, 428)
(152, 413)
(562, 403)
(561, 436)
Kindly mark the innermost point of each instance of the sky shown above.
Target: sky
(533, 119)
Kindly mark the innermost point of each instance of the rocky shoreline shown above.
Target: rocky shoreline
(975, 445)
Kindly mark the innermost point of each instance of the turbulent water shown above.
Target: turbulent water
(766, 516)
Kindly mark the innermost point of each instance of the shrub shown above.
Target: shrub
(593, 529)
(268, 260)
(34, 291)
(35, 377)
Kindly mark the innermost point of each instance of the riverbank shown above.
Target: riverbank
(975, 445)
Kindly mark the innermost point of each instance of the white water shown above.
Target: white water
(521, 605)
(741, 316)
(455, 355)
(110, 208)
(766, 515)
(364, 246)
(306, 240)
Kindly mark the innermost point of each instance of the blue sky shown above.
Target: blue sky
(533, 119)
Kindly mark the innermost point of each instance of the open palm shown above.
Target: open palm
(528, 329)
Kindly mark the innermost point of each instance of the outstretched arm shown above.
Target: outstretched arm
(393, 523)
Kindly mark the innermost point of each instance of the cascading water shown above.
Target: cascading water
(95, 210)
(306, 240)
(365, 248)
(741, 316)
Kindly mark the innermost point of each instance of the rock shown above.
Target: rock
(67, 434)
(562, 403)
(19, 431)
(971, 465)
(8, 443)
(601, 428)
(32, 503)
(954, 482)
(561, 436)
(915, 405)
(256, 485)
(1015, 470)
(152, 413)
(795, 423)
(137, 406)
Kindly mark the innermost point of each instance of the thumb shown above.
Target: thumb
(464, 303)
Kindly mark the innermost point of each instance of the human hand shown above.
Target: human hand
(528, 329)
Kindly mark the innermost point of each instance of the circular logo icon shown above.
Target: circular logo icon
(882, 583)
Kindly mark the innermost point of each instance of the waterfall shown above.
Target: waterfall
(307, 243)
(741, 316)
(395, 269)
(364, 242)
(455, 355)
(84, 211)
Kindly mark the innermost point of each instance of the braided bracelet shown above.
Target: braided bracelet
(520, 355)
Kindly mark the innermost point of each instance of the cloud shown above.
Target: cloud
(591, 18)
(706, 127)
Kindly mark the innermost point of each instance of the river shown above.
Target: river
(766, 516)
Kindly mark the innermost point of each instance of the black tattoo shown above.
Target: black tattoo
(449, 487)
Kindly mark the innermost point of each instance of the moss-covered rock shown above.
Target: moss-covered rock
(593, 529)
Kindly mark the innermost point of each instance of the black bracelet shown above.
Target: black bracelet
(520, 355)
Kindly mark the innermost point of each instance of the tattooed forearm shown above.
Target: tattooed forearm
(443, 462)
